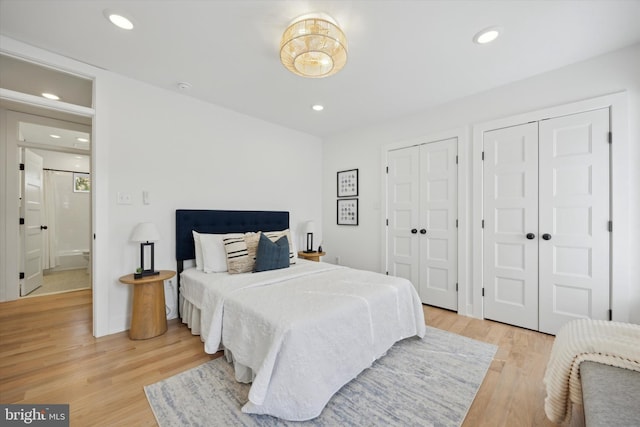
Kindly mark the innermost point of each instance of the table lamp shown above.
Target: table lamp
(146, 233)
(309, 229)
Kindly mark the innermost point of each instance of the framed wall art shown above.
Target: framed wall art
(81, 182)
(347, 212)
(348, 183)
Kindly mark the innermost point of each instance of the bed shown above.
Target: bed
(299, 333)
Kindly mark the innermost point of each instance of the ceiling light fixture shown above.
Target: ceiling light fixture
(118, 19)
(82, 139)
(313, 46)
(51, 96)
(55, 136)
(317, 107)
(487, 35)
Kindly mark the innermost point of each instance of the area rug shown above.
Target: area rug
(419, 382)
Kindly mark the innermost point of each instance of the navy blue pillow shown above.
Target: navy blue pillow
(272, 255)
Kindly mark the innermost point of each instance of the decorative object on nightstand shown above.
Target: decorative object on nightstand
(309, 229)
(148, 315)
(311, 256)
(146, 233)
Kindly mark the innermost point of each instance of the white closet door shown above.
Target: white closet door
(403, 204)
(510, 241)
(437, 232)
(574, 215)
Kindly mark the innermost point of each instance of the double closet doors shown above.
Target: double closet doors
(422, 219)
(546, 209)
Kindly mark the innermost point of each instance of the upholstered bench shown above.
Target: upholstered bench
(610, 395)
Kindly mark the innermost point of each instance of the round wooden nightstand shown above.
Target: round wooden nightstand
(311, 256)
(148, 316)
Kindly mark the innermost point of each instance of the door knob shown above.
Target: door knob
(414, 230)
(531, 236)
(43, 227)
(546, 236)
(423, 231)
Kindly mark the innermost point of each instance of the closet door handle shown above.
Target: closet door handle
(531, 236)
(546, 236)
(43, 227)
(414, 230)
(423, 231)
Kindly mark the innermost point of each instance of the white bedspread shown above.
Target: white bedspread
(300, 334)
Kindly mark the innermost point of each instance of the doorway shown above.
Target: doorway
(54, 199)
(66, 206)
(546, 211)
(422, 209)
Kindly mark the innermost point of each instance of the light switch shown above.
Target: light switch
(145, 198)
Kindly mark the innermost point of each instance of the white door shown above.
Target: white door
(510, 238)
(32, 214)
(574, 216)
(422, 210)
(403, 204)
(438, 232)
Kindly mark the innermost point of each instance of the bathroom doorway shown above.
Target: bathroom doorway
(55, 205)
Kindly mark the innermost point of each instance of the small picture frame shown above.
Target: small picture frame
(348, 183)
(81, 182)
(347, 212)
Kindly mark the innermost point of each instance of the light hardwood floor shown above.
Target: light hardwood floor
(48, 355)
(63, 281)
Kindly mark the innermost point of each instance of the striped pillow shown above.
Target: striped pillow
(275, 235)
(241, 252)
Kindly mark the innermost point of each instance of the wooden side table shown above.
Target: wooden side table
(311, 256)
(148, 316)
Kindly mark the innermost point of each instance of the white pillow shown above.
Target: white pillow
(198, 247)
(214, 257)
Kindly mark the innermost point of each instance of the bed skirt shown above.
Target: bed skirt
(190, 316)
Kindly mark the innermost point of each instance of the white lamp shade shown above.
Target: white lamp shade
(309, 227)
(145, 232)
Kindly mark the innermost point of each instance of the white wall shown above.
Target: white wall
(362, 246)
(187, 154)
(192, 155)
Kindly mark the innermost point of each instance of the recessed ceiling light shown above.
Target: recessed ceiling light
(487, 35)
(118, 19)
(317, 107)
(82, 139)
(50, 96)
(55, 136)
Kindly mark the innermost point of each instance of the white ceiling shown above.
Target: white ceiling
(41, 134)
(404, 56)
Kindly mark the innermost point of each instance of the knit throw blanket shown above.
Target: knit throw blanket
(611, 343)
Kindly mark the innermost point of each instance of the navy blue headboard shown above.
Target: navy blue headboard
(220, 222)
